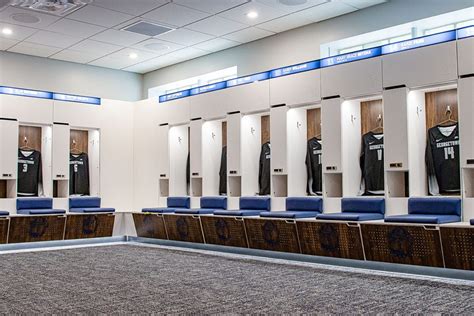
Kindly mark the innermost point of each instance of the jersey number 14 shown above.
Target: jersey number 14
(448, 153)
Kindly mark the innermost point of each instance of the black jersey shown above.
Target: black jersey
(264, 170)
(314, 168)
(442, 160)
(223, 172)
(29, 172)
(371, 164)
(79, 174)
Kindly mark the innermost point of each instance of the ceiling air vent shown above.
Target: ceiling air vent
(148, 29)
(56, 7)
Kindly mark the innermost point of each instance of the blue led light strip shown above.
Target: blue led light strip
(49, 95)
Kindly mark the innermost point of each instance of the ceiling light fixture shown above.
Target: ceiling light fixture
(133, 55)
(7, 31)
(56, 7)
(252, 14)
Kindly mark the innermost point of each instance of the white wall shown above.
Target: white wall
(303, 44)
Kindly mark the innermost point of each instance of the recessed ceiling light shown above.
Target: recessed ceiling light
(252, 14)
(133, 55)
(7, 31)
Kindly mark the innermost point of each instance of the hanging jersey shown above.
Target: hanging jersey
(264, 170)
(29, 172)
(314, 168)
(372, 165)
(223, 172)
(79, 174)
(442, 160)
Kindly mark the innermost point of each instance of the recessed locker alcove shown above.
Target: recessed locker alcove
(8, 157)
(179, 181)
(309, 138)
(212, 150)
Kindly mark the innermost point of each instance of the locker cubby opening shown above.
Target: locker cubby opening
(468, 178)
(235, 186)
(60, 188)
(280, 185)
(164, 187)
(333, 184)
(397, 184)
(179, 145)
(196, 187)
(7, 189)
(212, 151)
(84, 145)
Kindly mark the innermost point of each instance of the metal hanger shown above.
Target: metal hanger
(379, 127)
(25, 147)
(448, 121)
(74, 149)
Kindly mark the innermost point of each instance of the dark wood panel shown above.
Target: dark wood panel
(458, 247)
(402, 244)
(3, 189)
(184, 228)
(265, 128)
(150, 225)
(32, 135)
(226, 231)
(369, 113)
(330, 240)
(81, 140)
(36, 228)
(89, 226)
(276, 235)
(224, 134)
(313, 118)
(436, 105)
(4, 230)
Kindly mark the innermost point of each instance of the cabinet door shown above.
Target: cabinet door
(233, 144)
(8, 149)
(395, 114)
(278, 136)
(331, 132)
(303, 88)
(163, 152)
(60, 152)
(466, 121)
(465, 59)
(195, 147)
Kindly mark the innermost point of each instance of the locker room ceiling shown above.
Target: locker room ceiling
(93, 34)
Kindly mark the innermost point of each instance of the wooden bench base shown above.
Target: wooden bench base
(225, 231)
(36, 228)
(458, 247)
(184, 228)
(79, 226)
(150, 225)
(271, 234)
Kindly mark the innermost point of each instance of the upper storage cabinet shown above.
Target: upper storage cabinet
(210, 105)
(421, 67)
(77, 114)
(247, 98)
(466, 56)
(353, 79)
(31, 110)
(302, 88)
(174, 112)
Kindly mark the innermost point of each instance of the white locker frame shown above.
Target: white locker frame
(465, 59)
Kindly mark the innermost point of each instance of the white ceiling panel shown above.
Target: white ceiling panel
(292, 5)
(265, 13)
(53, 39)
(157, 46)
(75, 28)
(189, 53)
(27, 17)
(34, 49)
(117, 37)
(99, 16)
(216, 26)
(18, 32)
(132, 7)
(95, 47)
(6, 43)
(152, 64)
(217, 44)
(248, 35)
(121, 59)
(211, 6)
(361, 4)
(287, 22)
(176, 15)
(185, 37)
(328, 10)
(75, 56)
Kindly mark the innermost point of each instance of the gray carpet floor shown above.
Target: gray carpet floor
(127, 279)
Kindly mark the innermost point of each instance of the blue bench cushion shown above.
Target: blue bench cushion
(4, 213)
(238, 212)
(160, 210)
(214, 202)
(290, 214)
(83, 202)
(435, 206)
(255, 203)
(472, 221)
(41, 211)
(350, 216)
(423, 219)
(179, 202)
(92, 210)
(312, 204)
(363, 205)
(196, 211)
(34, 203)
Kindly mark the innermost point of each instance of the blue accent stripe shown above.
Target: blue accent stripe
(419, 42)
(464, 32)
(294, 69)
(209, 88)
(76, 98)
(49, 95)
(350, 57)
(248, 79)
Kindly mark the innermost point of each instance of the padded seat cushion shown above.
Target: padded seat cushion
(472, 221)
(435, 206)
(196, 211)
(93, 210)
(312, 204)
(41, 212)
(363, 205)
(255, 203)
(34, 203)
(4, 213)
(290, 214)
(350, 216)
(238, 212)
(214, 202)
(83, 202)
(179, 202)
(160, 210)
(423, 219)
